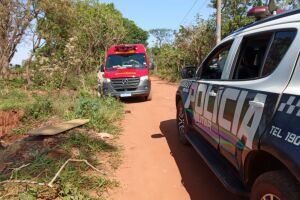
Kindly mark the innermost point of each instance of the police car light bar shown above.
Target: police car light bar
(125, 48)
(259, 12)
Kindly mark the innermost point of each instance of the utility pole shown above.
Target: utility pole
(218, 34)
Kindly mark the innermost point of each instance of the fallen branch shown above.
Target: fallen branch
(23, 181)
(17, 169)
(50, 184)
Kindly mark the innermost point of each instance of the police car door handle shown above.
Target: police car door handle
(256, 104)
(212, 94)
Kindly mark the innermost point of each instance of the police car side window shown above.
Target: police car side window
(280, 45)
(251, 57)
(213, 66)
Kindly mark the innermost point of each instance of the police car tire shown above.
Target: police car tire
(182, 139)
(279, 183)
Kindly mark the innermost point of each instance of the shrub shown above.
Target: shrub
(103, 113)
(41, 107)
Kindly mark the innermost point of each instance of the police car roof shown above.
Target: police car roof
(286, 17)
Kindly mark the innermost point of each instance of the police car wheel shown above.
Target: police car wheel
(181, 123)
(275, 185)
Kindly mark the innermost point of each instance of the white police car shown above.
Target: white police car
(240, 110)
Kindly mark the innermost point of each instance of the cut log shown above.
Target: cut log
(58, 128)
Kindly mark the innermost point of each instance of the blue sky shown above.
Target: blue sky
(147, 14)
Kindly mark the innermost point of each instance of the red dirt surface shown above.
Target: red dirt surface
(9, 120)
(155, 164)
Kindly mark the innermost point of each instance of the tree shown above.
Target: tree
(134, 34)
(77, 33)
(288, 4)
(15, 17)
(234, 14)
(162, 36)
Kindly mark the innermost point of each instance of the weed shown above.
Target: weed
(41, 107)
(31, 194)
(13, 99)
(87, 146)
(63, 105)
(23, 129)
(103, 113)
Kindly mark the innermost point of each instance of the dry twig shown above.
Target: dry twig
(23, 181)
(17, 169)
(50, 184)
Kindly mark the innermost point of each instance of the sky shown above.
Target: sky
(147, 14)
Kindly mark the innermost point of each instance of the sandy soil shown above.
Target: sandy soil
(155, 164)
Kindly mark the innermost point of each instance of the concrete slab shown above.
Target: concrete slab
(59, 128)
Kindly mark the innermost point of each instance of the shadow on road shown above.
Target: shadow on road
(197, 178)
(133, 100)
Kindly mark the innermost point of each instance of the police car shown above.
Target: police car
(240, 109)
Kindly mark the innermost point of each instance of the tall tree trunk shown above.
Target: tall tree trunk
(29, 82)
(4, 65)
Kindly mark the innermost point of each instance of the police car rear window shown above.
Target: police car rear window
(281, 43)
(251, 57)
(260, 54)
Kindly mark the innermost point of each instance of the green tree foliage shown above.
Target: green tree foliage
(190, 46)
(134, 34)
(77, 34)
(289, 4)
(195, 41)
(234, 14)
(55, 26)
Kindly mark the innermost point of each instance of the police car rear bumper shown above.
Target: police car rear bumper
(142, 90)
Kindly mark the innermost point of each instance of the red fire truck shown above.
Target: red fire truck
(126, 72)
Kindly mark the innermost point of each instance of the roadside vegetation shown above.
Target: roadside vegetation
(188, 46)
(58, 82)
(37, 106)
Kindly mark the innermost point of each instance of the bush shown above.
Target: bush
(17, 82)
(103, 113)
(41, 107)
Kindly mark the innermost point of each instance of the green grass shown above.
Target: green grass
(87, 145)
(74, 182)
(11, 98)
(104, 113)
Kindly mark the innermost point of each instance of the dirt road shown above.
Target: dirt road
(155, 165)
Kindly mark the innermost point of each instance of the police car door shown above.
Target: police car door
(256, 80)
(204, 94)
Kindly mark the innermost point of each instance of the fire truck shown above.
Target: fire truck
(126, 72)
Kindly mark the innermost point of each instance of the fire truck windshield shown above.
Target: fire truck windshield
(117, 61)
